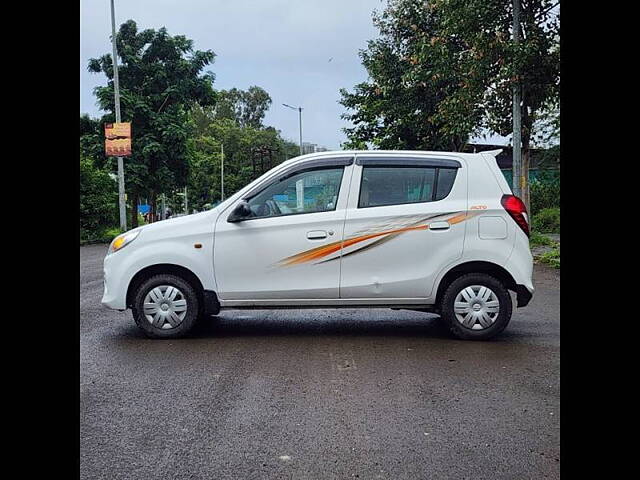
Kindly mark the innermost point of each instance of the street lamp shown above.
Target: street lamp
(300, 114)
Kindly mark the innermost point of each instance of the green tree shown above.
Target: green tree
(160, 79)
(92, 139)
(249, 152)
(204, 171)
(98, 199)
(444, 70)
(395, 109)
(246, 107)
(492, 65)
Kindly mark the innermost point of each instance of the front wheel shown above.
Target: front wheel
(476, 306)
(165, 306)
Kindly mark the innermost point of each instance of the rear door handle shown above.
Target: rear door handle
(439, 226)
(316, 234)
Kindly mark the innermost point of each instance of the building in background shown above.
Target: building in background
(308, 147)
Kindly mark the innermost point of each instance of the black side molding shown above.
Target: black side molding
(407, 162)
(211, 304)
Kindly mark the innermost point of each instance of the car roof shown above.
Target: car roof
(341, 153)
(427, 153)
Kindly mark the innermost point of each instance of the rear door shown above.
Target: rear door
(405, 221)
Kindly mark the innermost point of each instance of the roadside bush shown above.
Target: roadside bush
(536, 239)
(551, 258)
(104, 235)
(546, 220)
(98, 201)
(544, 191)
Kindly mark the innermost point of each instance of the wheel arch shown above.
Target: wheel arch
(164, 268)
(493, 269)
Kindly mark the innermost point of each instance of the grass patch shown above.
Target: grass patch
(550, 249)
(546, 220)
(537, 239)
(551, 258)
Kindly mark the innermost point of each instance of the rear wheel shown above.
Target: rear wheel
(165, 306)
(476, 306)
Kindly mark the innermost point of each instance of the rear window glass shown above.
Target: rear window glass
(446, 176)
(382, 185)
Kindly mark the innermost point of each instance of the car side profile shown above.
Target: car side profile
(429, 231)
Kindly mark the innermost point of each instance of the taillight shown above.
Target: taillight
(518, 211)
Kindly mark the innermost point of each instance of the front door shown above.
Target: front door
(289, 248)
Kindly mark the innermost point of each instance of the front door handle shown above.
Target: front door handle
(439, 226)
(316, 234)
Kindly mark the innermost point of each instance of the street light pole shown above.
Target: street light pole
(300, 117)
(116, 89)
(300, 120)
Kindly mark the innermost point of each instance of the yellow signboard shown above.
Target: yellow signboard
(117, 139)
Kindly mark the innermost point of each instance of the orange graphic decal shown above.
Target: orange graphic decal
(326, 250)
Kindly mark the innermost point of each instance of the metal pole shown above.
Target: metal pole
(186, 201)
(300, 119)
(300, 113)
(221, 172)
(116, 89)
(517, 114)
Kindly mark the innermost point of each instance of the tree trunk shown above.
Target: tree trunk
(134, 209)
(152, 209)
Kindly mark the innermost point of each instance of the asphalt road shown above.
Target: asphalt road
(318, 394)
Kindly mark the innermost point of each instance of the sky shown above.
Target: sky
(300, 51)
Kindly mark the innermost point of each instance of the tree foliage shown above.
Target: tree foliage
(248, 152)
(160, 79)
(395, 108)
(246, 107)
(92, 139)
(179, 123)
(492, 65)
(443, 70)
(98, 198)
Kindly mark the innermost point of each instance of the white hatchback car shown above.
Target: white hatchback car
(430, 231)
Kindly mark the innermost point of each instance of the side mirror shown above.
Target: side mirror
(241, 212)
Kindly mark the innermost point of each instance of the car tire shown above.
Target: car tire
(470, 317)
(164, 316)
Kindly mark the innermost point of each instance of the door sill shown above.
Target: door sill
(328, 303)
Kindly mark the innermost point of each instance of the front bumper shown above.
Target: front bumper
(114, 295)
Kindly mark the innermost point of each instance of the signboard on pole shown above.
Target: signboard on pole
(117, 139)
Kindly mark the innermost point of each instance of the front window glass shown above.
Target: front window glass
(306, 192)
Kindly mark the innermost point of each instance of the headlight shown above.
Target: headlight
(123, 240)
